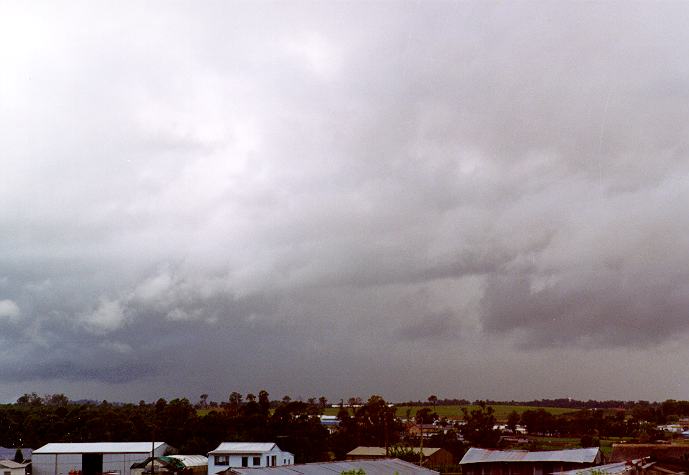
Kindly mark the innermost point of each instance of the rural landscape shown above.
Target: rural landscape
(344, 237)
(316, 430)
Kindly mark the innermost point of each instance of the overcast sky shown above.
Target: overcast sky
(480, 200)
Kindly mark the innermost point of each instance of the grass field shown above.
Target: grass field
(455, 412)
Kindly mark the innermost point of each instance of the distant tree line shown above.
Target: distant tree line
(198, 428)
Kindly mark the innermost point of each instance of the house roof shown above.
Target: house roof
(617, 468)
(243, 447)
(371, 467)
(191, 460)
(362, 451)
(175, 462)
(474, 455)
(97, 447)
(12, 464)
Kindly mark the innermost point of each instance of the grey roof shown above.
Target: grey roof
(97, 447)
(588, 455)
(371, 467)
(616, 468)
(191, 460)
(12, 464)
(243, 447)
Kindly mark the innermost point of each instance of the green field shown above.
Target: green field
(455, 412)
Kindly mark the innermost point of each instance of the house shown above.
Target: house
(247, 454)
(432, 455)
(93, 458)
(173, 465)
(10, 467)
(522, 462)
(370, 467)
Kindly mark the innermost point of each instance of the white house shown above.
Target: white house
(93, 458)
(10, 467)
(246, 454)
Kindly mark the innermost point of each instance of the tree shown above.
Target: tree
(264, 402)
(18, 456)
(512, 421)
(433, 399)
(479, 428)
(425, 416)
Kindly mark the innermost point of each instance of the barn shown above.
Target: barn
(93, 458)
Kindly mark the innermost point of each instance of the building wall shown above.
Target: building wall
(62, 464)
(235, 460)
(12, 471)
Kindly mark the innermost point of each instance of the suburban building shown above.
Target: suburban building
(173, 465)
(370, 467)
(247, 454)
(431, 455)
(10, 467)
(522, 462)
(93, 458)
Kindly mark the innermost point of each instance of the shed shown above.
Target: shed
(174, 465)
(521, 462)
(93, 458)
(10, 467)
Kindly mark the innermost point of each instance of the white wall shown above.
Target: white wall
(281, 458)
(13, 471)
(62, 464)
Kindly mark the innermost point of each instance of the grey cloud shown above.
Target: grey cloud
(295, 186)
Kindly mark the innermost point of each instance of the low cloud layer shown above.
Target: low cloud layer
(207, 197)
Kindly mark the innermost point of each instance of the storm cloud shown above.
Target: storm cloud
(201, 197)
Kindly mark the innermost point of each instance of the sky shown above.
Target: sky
(468, 199)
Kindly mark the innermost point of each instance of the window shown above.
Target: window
(222, 460)
(256, 462)
(245, 461)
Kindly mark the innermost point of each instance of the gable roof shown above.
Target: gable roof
(475, 455)
(98, 447)
(12, 464)
(243, 447)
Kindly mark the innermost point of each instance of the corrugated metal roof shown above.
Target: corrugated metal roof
(608, 469)
(362, 451)
(191, 460)
(474, 455)
(97, 447)
(371, 467)
(12, 464)
(243, 447)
